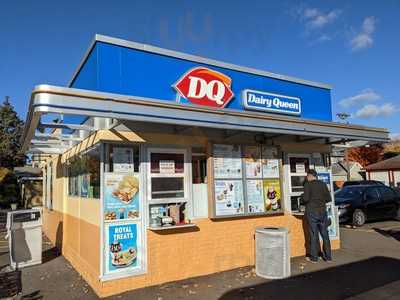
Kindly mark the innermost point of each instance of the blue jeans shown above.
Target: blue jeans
(318, 225)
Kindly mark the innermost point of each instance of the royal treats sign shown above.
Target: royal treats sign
(263, 101)
(205, 87)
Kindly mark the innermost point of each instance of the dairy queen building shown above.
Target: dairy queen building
(160, 165)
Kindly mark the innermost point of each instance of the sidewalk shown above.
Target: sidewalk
(367, 267)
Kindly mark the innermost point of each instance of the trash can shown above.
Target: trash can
(24, 233)
(272, 252)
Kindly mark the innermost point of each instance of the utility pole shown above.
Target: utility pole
(344, 116)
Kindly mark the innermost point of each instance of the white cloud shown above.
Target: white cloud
(365, 96)
(394, 136)
(364, 38)
(315, 19)
(372, 111)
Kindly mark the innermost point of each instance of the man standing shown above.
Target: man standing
(316, 195)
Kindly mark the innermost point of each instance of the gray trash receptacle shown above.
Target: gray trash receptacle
(272, 252)
(24, 233)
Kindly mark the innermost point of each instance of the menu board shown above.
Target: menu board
(228, 197)
(123, 159)
(121, 196)
(252, 158)
(255, 200)
(270, 168)
(227, 161)
(272, 194)
(123, 253)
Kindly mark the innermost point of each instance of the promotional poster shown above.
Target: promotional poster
(121, 196)
(272, 194)
(122, 248)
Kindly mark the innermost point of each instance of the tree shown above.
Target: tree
(365, 155)
(11, 128)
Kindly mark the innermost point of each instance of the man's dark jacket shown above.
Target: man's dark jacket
(316, 194)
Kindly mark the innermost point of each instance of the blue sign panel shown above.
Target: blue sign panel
(115, 69)
(256, 100)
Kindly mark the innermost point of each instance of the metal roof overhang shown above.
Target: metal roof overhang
(69, 101)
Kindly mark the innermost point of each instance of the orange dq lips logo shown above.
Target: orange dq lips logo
(205, 87)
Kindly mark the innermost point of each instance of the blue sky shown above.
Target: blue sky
(352, 45)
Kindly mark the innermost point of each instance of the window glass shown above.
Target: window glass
(167, 187)
(84, 175)
(297, 183)
(299, 164)
(199, 169)
(349, 191)
(167, 163)
(116, 150)
(386, 193)
(371, 195)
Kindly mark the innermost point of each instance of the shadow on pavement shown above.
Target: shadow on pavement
(32, 296)
(338, 282)
(389, 233)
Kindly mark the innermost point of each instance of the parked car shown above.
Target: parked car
(362, 182)
(360, 203)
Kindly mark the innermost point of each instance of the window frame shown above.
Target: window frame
(186, 175)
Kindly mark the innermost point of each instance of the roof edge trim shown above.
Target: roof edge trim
(189, 57)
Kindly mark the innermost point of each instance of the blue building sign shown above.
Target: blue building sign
(256, 100)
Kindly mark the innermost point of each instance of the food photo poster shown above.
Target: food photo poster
(123, 252)
(121, 196)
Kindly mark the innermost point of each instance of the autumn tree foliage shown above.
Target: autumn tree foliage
(366, 155)
(11, 128)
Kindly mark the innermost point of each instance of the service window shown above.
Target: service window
(168, 194)
(167, 175)
(299, 165)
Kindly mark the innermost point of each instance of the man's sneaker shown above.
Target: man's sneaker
(328, 260)
(314, 261)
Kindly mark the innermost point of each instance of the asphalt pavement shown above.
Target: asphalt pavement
(366, 267)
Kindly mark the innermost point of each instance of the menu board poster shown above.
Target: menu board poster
(121, 196)
(255, 199)
(269, 152)
(123, 159)
(227, 161)
(228, 197)
(272, 194)
(123, 251)
(252, 158)
(270, 168)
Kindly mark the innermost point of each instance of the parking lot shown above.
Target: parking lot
(366, 267)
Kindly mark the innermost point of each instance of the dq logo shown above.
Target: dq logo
(205, 87)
